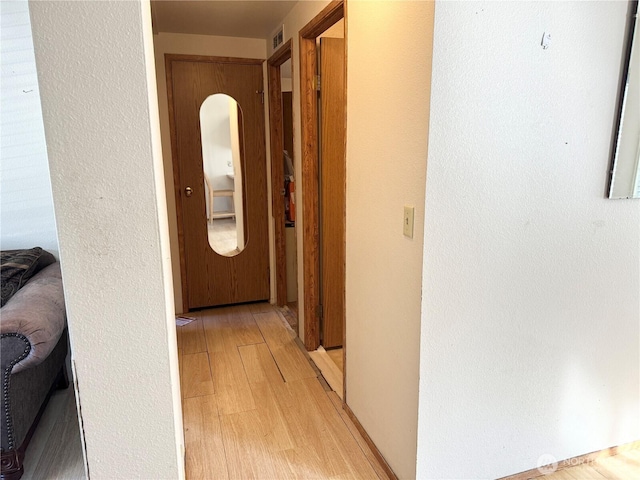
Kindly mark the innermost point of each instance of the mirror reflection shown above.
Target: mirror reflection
(221, 128)
(625, 174)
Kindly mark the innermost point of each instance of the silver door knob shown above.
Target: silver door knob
(188, 191)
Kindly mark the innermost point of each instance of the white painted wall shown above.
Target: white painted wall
(195, 45)
(530, 314)
(286, 84)
(26, 205)
(297, 18)
(387, 129)
(335, 31)
(531, 297)
(97, 82)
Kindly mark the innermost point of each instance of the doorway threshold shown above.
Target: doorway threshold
(329, 369)
(290, 315)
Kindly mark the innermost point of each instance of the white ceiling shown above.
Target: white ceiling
(232, 18)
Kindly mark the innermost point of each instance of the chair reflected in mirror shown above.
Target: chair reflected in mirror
(223, 162)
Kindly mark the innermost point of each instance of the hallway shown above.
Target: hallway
(254, 407)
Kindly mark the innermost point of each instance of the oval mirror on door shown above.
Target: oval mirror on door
(222, 164)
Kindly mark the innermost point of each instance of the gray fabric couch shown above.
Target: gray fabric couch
(33, 349)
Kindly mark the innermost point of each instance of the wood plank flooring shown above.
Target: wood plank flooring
(253, 406)
(622, 466)
(243, 419)
(266, 415)
(55, 450)
(329, 369)
(336, 356)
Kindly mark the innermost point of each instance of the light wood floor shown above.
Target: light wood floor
(327, 361)
(336, 355)
(55, 450)
(254, 408)
(623, 466)
(291, 316)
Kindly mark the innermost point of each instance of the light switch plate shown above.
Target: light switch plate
(408, 221)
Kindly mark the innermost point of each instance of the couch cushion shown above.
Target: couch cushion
(18, 266)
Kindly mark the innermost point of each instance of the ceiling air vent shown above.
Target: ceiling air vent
(278, 38)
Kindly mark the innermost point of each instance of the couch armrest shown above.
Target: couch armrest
(13, 349)
(37, 313)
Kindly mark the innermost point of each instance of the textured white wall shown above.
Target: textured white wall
(26, 205)
(530, 317)
(191, 45)
(97, 81)
(286, 83)
(387, 129)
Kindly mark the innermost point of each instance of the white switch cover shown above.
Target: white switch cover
(408, 221)
(546, 40)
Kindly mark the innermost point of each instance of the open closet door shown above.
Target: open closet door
(332, 188)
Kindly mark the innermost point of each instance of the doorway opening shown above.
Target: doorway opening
(219, 345)
(323, 114)
(279, 73)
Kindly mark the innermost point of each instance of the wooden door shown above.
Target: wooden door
(333, 189)
(211, 279)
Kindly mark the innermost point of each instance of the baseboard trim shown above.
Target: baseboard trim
(579, 460)
(367, 439)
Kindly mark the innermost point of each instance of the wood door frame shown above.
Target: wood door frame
(276, 131)
(330, 15)
(169, 58)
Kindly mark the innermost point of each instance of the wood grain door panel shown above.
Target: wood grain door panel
(333, 189)
(213, 279)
